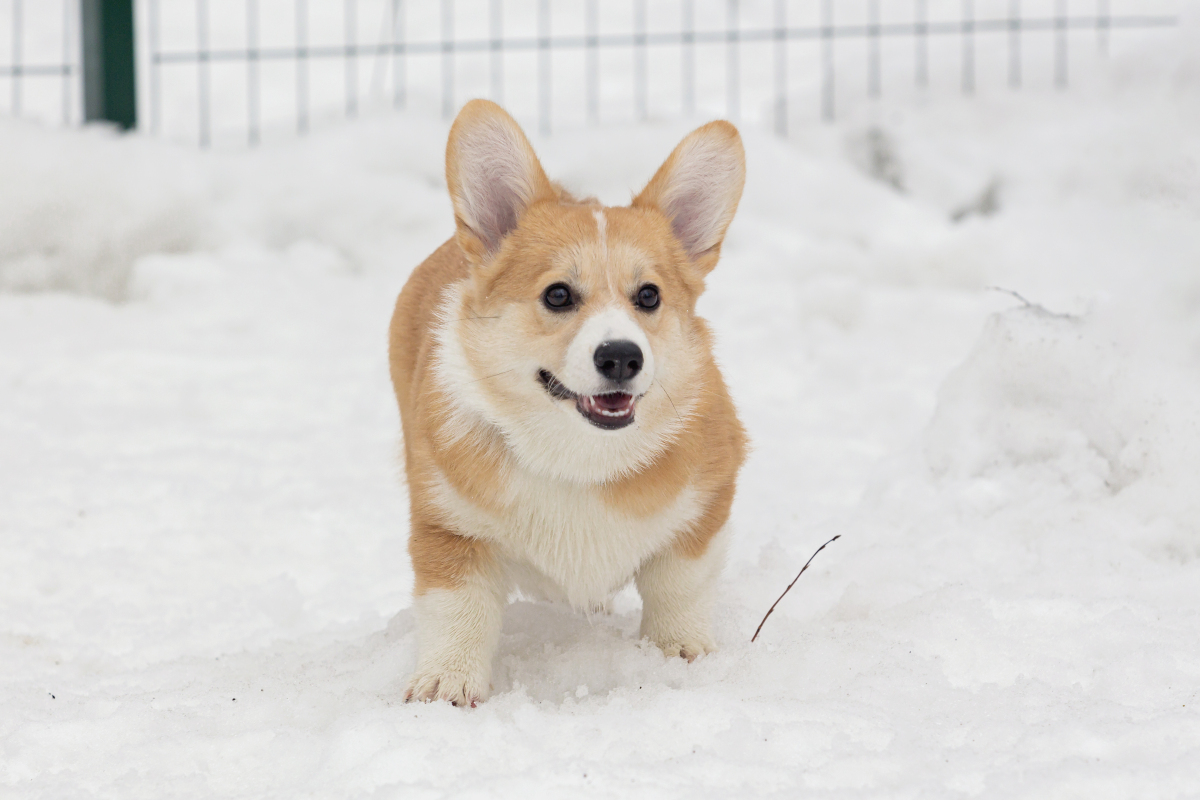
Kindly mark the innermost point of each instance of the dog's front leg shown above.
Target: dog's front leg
(677, 589)
(458, 603)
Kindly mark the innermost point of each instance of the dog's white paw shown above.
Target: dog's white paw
(462, 689)
(689, 647)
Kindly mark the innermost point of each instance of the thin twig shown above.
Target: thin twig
(790, 585)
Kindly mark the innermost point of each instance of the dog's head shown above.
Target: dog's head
(575, 333)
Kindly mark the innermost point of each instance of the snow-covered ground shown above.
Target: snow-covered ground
(204, 589)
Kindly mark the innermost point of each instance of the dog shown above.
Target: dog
(566, 429)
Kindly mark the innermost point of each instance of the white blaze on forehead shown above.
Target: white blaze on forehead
(602, 235)
(602, 231)
(608, 325)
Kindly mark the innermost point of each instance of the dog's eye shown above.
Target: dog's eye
(558, 297)
(647, 297)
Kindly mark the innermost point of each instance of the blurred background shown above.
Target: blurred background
(224, 72)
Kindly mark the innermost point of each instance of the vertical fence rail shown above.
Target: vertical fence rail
(399, 56)
(591, 66)
(152, 33)
(733, 62)
(1060, 44)
(543, 48)
(921, 44)
(109, 76)
(968, 47)
(302, 66)
(203, 75)
(447, 8)
(68, 8)
(1014, 44)
(350, 62)
(1103, 25)
(18, 66)
(827, 79)
(253, 114)
(687, 57)
(781, 65)
(496, 49)
(874, 54)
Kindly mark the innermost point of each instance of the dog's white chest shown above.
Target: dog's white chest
(569, 535)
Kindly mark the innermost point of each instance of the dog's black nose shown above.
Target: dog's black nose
(618, 361)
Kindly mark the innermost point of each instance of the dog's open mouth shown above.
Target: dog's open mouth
(610, 410)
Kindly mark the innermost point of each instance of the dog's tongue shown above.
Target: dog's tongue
(613, 402)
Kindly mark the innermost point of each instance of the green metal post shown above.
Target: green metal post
(109, 75)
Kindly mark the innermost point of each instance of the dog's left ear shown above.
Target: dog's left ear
(698, 188)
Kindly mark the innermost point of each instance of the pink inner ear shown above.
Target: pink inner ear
(494, 212)
(496, 183)
(701, 196)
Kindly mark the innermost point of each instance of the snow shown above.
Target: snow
(205, 588)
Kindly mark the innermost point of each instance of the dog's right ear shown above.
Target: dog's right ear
(493, 176)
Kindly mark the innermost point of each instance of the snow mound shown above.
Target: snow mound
(79, 207)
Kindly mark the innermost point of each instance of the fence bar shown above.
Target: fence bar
(921, 44)
(544, 67)
(67, 58)
(109, 80)
(827, 86)
(640, 80)
(252, 78)
(874, 67)
(1014, 44)
(152, 26)
(781, 67)
(447, 59)
(733, 67)
(1103, 25)
(302, 65)
(592, 60)
(1060, 44)
(968, 46)
(399, 80)
(202, 72)
(16, 57)
(496, 67)
(687, 66)
(350, 67)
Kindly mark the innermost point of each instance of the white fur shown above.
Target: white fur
(568, 535)
(609, 324)
(457, 632)
(677, 598)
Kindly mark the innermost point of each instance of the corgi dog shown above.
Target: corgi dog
(566, 429)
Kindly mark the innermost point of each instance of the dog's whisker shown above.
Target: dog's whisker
(672, 402)
(493, 375)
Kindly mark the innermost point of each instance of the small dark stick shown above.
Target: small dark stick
(790, 585)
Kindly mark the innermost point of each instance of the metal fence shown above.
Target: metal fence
(42, 80)
(238, 68)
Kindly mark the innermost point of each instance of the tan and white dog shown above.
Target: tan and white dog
(566, 429)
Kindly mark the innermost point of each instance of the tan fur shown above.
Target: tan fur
(482, 293)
